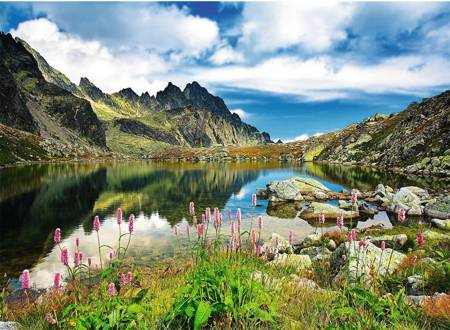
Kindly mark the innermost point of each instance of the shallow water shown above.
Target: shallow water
(34, 200)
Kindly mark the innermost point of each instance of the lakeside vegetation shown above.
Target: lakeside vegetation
(233, 280)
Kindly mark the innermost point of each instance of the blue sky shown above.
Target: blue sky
(293, 69)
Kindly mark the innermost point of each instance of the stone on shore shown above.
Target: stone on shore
(297, 261)
(390, 240)
(442, 224)
(363, 259)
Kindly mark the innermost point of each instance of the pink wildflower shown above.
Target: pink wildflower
(112, 289)
(340, 221)
(65, 257)
(203, 219)
(253, 236)
(76, 259)
(362, 243)
(77, 242)
(290, 238)
(122, 280)
(57, 236)
(191, 208)
(200, 230)
(254, 200)
(239, 215)
(258, 250)
(57, 281)
(383, 245)
(25, 279)
(96, 223)
(321, 218)
(89, 260)
(131, 223)
(119, 216)
(401, 215)
(230, 215)
(129, 276)
(353, 234)
(50, 318)
(260, 222)
(354, 197)
(208, 214)
(110, 256)
(420, 240)
(233, 228)
(81, 256)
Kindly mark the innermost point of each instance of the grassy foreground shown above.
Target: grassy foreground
(228, 283)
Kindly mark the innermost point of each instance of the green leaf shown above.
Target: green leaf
(135, 309)
(202, 315)
(189, 310)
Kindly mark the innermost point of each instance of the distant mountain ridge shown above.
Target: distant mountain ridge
(39, 99)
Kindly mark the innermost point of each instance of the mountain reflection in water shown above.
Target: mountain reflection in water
(34, 200)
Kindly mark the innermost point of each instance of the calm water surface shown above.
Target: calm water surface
(34, 200)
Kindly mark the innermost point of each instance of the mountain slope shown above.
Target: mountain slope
(64, 125)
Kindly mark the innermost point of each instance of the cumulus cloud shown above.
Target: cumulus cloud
(301, 137)
(155, 27)
(241, 113)
(312, 25)
(225, 55)
(78, 58)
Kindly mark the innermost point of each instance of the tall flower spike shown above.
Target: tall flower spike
(65, 257)
(362, 243)
(191, 208)
(260, 222)
(383, 245)
(57, 281)
(96, 223)
(129, 276)
(25, 279)
(354, 197)
(112, 289)
(57, 236)
(77, 242)
(420, 239)
(89, 260)
(258, 250)
(254, 200)
(321, 218)
(122, 280)
(340, 221)
(253, 236)
(208, 214)
(291, 238)
(401, 215)
(131, 223)
(76, 259)
(353, 234)
(238, 215)
(119, 216)
(230, 215)
(233, 228)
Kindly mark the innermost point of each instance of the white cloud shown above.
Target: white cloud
(78, 58)
(243, 114)
(301, 137)
(160, 28)
(325, 77)
(312, 25)
(225, 55)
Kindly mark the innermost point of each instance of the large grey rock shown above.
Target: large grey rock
(297, 261)
(303, 283)
(442, 224)
(439, 209)
(415, 284)
(421, 193)
(320, 195)
(429, 234)
(279, 243)
(345, 205)
(390, 240)
(361, 260)
(420, 299)
(404, 198)
(292, 189)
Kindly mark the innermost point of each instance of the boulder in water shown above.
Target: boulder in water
(329, 211)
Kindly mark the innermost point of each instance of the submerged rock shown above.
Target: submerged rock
(330, 212)
(284, 210)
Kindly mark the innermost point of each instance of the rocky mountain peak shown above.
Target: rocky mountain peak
(88, 89)
(171, 97)
(128, 94)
